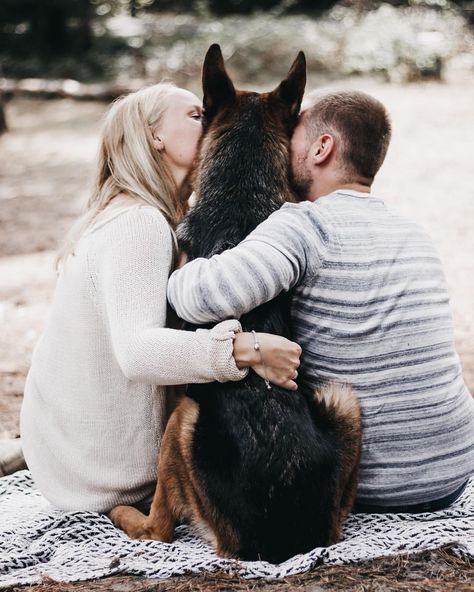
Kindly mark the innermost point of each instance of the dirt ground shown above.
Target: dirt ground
(433, 571)
(45, 165)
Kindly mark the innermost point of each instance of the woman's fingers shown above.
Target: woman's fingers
(289, 385)
(279, 360)
(285, 379)
(298, 350)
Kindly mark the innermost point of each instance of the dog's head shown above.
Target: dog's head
(223, 104)
(242, 168)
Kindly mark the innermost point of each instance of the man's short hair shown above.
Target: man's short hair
(359, 121)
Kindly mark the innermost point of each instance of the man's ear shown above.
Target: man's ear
(322, 149)
(290, 90)
(216, 85)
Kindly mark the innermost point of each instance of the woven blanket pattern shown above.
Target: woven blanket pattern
(38, 541)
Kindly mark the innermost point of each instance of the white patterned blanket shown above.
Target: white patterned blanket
(37, 540)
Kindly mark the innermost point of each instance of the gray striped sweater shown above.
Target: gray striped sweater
(370, 308)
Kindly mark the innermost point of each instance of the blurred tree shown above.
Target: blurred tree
(56, 38)
(219, 7)
(134, 7)
(46, 27)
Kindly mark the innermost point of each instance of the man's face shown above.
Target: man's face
(301, 174)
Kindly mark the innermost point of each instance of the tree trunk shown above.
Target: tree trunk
(85, 29)
(49, 30)
(3, 119)
(52, 34)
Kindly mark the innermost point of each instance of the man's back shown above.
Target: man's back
(370, 308)
(376, 315)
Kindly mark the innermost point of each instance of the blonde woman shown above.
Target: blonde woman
(95, 403)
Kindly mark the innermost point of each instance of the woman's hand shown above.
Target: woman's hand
(277, 359)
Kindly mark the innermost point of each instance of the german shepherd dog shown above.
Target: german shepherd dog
(263, 474)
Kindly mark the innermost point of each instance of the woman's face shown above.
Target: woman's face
(177, 135)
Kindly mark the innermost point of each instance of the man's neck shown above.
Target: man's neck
(359, 187)
(331, 188)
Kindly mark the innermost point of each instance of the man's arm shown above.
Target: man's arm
(277, 255)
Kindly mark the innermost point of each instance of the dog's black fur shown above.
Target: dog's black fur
(270, 459)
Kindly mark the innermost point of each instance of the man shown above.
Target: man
(370, 306)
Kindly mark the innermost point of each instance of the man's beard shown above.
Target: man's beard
(301, 180)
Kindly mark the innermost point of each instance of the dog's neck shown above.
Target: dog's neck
(242, 179)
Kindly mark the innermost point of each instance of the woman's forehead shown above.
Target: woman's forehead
(184, 98)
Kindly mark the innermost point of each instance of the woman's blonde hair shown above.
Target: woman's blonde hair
(128, 162)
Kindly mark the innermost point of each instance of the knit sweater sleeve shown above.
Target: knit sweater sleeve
(134, 265)
(282, 251)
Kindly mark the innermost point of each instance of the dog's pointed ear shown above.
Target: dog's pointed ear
(290, 90)
(216, 85)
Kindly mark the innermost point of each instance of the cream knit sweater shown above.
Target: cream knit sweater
(93, 413)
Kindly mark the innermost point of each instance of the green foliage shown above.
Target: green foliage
(97, 39)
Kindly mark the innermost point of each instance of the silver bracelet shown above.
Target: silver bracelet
(256, 347)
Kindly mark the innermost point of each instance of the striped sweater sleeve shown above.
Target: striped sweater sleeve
(288, 247)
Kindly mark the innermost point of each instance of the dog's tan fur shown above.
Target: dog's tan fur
(343, 405)
(181, 495)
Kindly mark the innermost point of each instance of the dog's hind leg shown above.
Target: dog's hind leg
(161, 522)
(170, 500)
(342, 411)
(128, 519)
(176, 493)
(159, 525)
